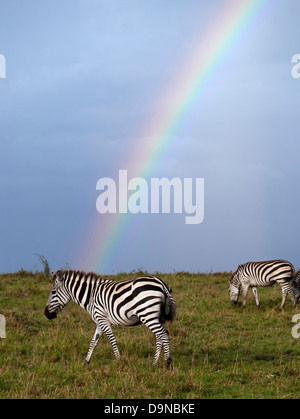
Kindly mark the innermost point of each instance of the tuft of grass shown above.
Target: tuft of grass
(45, 264)
(218, 351)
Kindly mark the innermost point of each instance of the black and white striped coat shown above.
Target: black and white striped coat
(262, 274)
(296, 285)
(147, 300)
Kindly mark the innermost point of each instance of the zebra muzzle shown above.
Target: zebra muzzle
(48, 314)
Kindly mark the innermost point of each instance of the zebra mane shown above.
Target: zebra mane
(79, 275)
(233, 278)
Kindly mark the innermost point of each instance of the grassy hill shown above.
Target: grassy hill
(218, 351)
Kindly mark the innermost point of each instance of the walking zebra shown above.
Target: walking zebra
(262, 274)
(147, 300)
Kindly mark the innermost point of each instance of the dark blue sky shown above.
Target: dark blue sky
(82, 76)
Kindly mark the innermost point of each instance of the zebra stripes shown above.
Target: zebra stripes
(296, 285)
(262, 274)
(147, 300)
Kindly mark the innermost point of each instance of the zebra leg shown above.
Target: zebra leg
(287, 289)
(93, 344)
(166, 344)
(162, 340)
(159, 345)
(292, 296)
(254, 290)
(245, 292)
(284, 294)
(106, 328)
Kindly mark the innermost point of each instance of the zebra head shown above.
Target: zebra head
(234, 287)
(58, 296)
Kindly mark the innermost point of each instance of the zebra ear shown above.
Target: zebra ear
(53, 276)
(59, 275)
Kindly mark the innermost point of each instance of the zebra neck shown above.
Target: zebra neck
(82, 289)
(237, 281)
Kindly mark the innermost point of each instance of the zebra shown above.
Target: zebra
(148, 300)
(262, 274)
(296, 285)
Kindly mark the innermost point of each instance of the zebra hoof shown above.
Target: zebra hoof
(169, 364)
(86, 362)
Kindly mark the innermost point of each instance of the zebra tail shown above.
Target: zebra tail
(168, 311)
(296, 284)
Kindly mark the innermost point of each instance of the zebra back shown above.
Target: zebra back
(269, 271)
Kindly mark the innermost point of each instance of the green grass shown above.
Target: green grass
(218, 351)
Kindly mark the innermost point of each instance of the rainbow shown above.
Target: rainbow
(106, 239)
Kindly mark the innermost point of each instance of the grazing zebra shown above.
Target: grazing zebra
(262, 274)
(147, 300)
(296, 285)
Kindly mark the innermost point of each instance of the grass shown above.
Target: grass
(218, 351)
